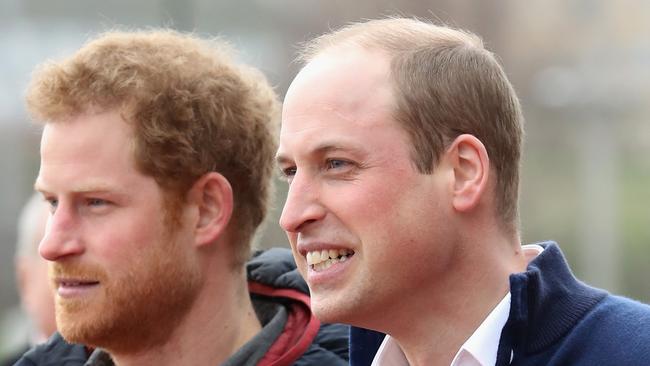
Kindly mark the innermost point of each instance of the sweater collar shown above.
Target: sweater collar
(547, 301)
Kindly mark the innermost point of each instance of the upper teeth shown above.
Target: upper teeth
(316, 257)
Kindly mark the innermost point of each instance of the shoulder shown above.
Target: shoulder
(615, 332)
(621, 317)
(56, 351)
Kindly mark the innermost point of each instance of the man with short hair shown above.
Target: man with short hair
(401, 143)
(156, 160)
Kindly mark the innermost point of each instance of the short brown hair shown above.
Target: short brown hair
(194, 110)
(445, 84)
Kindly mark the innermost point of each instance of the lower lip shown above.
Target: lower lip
(333, 273)
(74, 291)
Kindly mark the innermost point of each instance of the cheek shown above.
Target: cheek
(129, 230)
(369, 204)
(116, 248)
(392, 217)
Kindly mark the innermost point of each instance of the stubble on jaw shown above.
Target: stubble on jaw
(136, 311)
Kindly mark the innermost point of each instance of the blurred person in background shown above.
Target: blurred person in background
(36, 297)
(156, 160)
(401, 143)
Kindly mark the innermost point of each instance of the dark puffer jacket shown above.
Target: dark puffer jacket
(291, 335)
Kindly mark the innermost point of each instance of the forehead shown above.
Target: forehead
(86, 148)
(96, 133)
(344, 80)
(340, 91)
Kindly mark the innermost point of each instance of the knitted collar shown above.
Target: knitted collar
(547, 302)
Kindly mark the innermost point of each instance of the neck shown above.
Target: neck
(221, 321)
(450, 311)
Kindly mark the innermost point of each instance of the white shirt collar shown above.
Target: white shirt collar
(480, 349)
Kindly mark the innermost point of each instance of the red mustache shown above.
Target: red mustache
(77, 271)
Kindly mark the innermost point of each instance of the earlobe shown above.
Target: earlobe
(471, 171)
(213, 196)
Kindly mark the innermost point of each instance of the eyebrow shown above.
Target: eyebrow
(85, 188)
(320, 149)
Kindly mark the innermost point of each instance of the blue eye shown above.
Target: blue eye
(336, 163)
(96, 202)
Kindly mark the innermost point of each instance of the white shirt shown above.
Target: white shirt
(480, 349)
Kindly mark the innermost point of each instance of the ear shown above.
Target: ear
(213, 197)
(471, 166)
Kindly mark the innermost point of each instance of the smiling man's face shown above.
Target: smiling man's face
(366, 227)
(122, 279)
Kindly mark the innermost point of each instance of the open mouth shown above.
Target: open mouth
(324, 259)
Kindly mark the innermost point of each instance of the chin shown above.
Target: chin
(79, 331)
(332, 311)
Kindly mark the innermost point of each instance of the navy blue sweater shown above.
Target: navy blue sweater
(556, 320)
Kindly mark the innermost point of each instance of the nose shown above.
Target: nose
(303, 205)
(61, 237)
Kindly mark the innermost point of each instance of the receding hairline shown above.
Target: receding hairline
(388, 35)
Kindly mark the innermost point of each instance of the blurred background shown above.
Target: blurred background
(580, 67)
